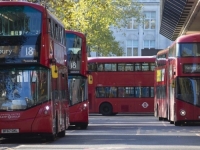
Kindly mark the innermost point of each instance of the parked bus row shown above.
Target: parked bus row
(42, 89)
(177, 81)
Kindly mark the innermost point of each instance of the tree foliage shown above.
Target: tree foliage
(94, 17)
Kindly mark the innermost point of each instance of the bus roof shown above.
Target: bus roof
(190, 38)
(80, 34)
(122, 59)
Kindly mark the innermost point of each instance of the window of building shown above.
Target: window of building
(149, 20)
(132, 24)
(149, 44)
(132, 48)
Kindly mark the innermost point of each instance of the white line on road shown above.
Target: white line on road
(164, 124)
(138, 131)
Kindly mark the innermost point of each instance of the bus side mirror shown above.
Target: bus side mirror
(54, 71)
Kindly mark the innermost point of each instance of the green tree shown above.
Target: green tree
(94, 18)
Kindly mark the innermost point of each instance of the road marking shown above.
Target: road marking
(138, 131)
(164, 124)
(69, 131)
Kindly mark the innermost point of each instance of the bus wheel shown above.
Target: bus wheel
(61, 134)
(106, 109)
(114, 114)
(177, 123)
(51, 138)
(84, 126)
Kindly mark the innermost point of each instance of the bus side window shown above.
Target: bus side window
(113, 92)
(145, 66)
(137, 67)
(145, 92)
(108, 67)
(120, 67)
(129, 67)
(100, 92)
(137, 91)
(198, 49)
(92, 67)
(152, 66)
(100, 67)
(121, 91)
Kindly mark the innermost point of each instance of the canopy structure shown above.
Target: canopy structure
(179, 17)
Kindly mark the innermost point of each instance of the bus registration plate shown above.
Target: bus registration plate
(9, 130)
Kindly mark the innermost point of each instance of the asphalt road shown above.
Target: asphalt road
(120, 132)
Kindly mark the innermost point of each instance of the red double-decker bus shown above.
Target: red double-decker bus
(177, 81)
(77, 79)
(33, 72)
(161, 85)
(121, 85)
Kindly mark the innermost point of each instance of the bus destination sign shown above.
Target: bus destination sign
(22, 54)
(191, 68)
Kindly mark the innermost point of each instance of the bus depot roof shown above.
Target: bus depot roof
(179, 17)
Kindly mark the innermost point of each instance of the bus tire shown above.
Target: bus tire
(61, 134)
(50, 138)
(113, 114)
(177, 123)
(106, 109)
(84, 126)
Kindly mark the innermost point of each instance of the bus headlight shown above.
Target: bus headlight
(182, 112)
(84, 106)
(46, 109)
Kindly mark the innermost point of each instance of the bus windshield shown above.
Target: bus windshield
(188, 90)
(19, 20)
(189, 49)
(23, 88)
(74, 44)
(77, 89)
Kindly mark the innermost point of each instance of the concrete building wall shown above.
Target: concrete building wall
(142, 35)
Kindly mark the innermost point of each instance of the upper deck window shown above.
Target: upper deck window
(121, 67)
(19, 20)
(74, 44)
(125, 67)
(189, 49)
(110, 67)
